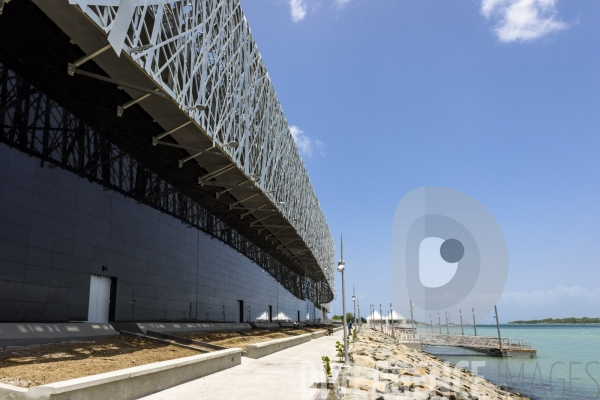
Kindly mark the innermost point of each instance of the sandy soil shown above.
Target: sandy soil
(244, 338)
(39, 365)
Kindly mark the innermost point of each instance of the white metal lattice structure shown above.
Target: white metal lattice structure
(202, 55)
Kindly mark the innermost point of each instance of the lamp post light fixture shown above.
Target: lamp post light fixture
(138, 49)
(198, 107)
(341, 266)
(233, 144)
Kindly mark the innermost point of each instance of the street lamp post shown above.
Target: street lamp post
(498, 326)
(359, 319)
(440, 323)
(354, 301)
(461, 324)
(392, 320)
(380, 318)
(340, 268)
(447, 331)
(474, 323)
(412, 317)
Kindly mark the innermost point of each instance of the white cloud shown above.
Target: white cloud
(320, 147)
(522, 20)
(302, 141)
(298, 10)
(305, 144)
(341, 3)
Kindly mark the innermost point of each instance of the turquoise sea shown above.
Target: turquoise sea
(567, 364)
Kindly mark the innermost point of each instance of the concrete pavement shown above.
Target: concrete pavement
(288, 374)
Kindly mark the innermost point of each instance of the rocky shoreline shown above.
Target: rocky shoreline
(383, 369)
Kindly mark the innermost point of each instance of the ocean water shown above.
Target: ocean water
(567, 364)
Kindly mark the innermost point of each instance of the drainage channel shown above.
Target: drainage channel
(186, 341)
(174, 341)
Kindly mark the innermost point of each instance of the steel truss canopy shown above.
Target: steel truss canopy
(193, 67)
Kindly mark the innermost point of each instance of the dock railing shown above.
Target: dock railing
(488, 342)
(402, 333)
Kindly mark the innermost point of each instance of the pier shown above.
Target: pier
(484, 344)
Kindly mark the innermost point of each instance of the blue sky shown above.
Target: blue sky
(499, 99)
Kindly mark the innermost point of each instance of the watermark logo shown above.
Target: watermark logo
(448, 254)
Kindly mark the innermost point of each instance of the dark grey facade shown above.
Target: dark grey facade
(57, 230)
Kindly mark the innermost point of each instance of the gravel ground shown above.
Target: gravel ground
(39, 365)
(243, 338)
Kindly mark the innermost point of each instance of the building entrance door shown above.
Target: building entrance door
(99, 299)
(241, 304)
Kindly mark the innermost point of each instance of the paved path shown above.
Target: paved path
(288, 374)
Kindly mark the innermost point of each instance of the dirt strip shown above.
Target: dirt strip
(39, 365)
(242, 339)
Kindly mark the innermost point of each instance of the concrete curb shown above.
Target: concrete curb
(265, 325)
(11, 392)
(259, 350)
(130, 383)
(413, 345)
(180, 327)
(318, 334)
(23, 334)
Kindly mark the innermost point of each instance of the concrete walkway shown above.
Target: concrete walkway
(288, 374)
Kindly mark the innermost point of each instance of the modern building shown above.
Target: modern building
(147, 171)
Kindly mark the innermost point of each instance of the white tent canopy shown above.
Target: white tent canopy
(396, 316)
(282, 317)
(264, 317)
(375, 316)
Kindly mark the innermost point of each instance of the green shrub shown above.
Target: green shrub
(326, 368)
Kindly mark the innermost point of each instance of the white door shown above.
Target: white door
(99, 299)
